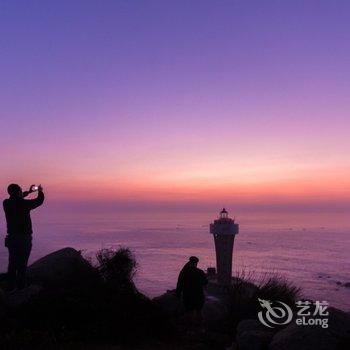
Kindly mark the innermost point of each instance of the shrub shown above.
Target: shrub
(276, 287)
(247, 288)
(117, 267)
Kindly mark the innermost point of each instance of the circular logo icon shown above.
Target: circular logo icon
(275, 313)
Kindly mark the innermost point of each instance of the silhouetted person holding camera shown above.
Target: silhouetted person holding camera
(19, 231)
(190, 286)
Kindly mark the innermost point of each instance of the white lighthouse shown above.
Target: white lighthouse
(224, 230)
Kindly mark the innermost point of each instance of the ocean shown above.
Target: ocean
(309, 249)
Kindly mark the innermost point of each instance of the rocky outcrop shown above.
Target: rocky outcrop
(59, 268)
(71, 303)
(170, 304)
(297, 337)
(215, 314)
(214, 311)
(249, 325)
(254, 340)
(19, 297)
(62, 267)
(2, 303)
(252, 335)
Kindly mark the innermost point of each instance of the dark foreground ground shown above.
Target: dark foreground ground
(72, 303)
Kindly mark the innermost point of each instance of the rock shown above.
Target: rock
(3, 277)
(2, 303)
(170, 303)
(215, 313)
(347, 284)
(19, 297)
(61, 267)
(234, 346)
(297, 337)
(252, 335)
(2, 297)
(217, 340)
(254, 340)
(249, 325)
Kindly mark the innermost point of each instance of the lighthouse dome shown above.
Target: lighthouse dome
(223, 214)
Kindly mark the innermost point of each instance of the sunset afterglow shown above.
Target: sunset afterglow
(208, 104)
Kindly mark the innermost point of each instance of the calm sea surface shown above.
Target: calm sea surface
(312, 250)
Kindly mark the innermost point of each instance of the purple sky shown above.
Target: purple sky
(177, 101)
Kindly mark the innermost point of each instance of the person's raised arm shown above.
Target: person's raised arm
(31, 190)
(36, 202)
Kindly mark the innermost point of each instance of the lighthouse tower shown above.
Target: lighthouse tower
(224, 230)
